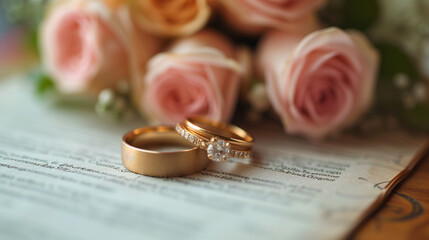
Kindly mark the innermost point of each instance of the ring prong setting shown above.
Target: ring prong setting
(218, 150)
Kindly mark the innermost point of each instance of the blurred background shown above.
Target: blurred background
(18, 33)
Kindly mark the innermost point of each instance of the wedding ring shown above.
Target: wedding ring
(161, 152)
(220, 140)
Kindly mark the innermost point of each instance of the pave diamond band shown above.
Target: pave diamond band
(213, 146)
(218, 146)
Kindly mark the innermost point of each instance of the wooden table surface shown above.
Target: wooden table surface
(405, 215)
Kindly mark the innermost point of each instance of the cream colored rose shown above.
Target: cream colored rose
(171, 17)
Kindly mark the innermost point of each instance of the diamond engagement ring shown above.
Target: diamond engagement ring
(220, 140)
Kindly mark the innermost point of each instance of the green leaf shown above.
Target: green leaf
(389, 97)
(44, 84)
(360, 14)
(32, 41)
(417, 117)
(393, 61)
(356, 14)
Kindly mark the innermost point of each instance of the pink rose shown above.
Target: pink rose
(83, 47)
(199, 75)
(319, 84)
(252, 16)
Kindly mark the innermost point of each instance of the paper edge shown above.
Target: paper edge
(385, 193)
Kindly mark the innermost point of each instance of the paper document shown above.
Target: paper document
(61, 177)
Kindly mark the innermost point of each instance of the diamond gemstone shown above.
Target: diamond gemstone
(218, 150)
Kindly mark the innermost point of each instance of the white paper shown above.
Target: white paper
(61, 177)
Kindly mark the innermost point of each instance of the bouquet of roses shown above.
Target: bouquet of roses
(172, 59)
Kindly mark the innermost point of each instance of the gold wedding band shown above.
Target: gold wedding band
(141, 154)
(220, 140)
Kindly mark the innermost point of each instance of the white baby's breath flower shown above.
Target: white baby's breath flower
(106, 97)
(405, 24)
(401, 80)
(401, 22)
(258, 97)
(419, 92)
